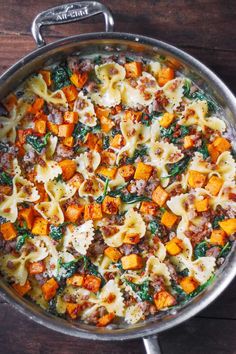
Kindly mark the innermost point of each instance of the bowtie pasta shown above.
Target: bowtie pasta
(117, 189)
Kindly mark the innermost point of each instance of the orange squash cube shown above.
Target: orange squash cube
(49, 289)
(27, 214)
(8, 231)
(22, 289)
(118, 141)
(109, 172)
(74, 212)
(65, 130)
(127, 171)
(71, 117)
(149, 208)
(113, 253)
(40, 126)
(40, 226)
(46, 74)
(93, 212)
(133, 69)
(106, 124)
(106, 319)
(165, 75)
(229, 226)
(163, 299)
(174, 246)
(73, 310)
(70, 92)
(110, 205)
(79, 79)
(160, 196)
(221, 144)
(202, 205)
(188, 142)
(131, 239)
(196, 179)
(36, 106)
(53, 128)
(76, 280)
(134, 116)
(68, 168)
(69, 141)
(218, 237)
(76, 180)
(168, 219)
(92, 283)
(214, 185)
(108, 158)
(188, 284)
(102, 112)
(143, 171)
(36, 267)
(132, 262)
(166, 120)
(213, 152)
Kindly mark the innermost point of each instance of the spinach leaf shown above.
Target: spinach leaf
(4, 147)
(169, 133)
(5, 179)
(184, 272)
(199, 95)
(133, 198)
(66, 270)
(154, 227)
(200, 288)
(115, 131)
(37, 143)
(137, 153)
(187, 87)
(102, 197)
(56, 232)
(92, 268)
(204, 150)
(215, 222)
(119, 266)
(81, 130)
(179, 167)
(118, 191)
(106, 142)
(200, 249)
(225, 250)
(23, 234)
(98, 60)
(61, 77)
(181, 295)
(142, 290)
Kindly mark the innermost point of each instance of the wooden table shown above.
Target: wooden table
(205, 29)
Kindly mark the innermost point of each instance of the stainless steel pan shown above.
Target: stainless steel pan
(110, 42)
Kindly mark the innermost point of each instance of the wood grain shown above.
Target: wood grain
(207, 30)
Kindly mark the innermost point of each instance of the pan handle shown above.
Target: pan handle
(151, 345)
(69, 13)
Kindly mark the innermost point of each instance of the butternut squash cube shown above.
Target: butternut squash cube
(76, 280)
(160, 196)
(202, 205)
(168, 219)
(76, 180)
(69, 141)
(221, 144)
(213, 152)
(127, 171)
(109, 172)
(131, 239)
(106, 124)
(143, 171)
(65, 130)
(71, 117)
(40, 126)
(132, 261)
(163, 299)
(93, 212)
(196, 179)
(165, 75)
(49, 289)
(46, 74)
(188, 284)
(229, 226)
(40, 226)
(8, 231)
(36, 267)
(22, 289)
(214, 185)
(73, 310)
(36, 106)
(174, 246)
(149, 208)
(118, 141)
(102, 112)
(108, 158)
(74, 212)
(53, 128)
(166, 120)
(188, 142)
(79, 79)
(106, 319)
(110, 205)
(218, 237)
(68, 168)
(70, 92)
(133, 69)
(92, 283)
(113, 253)
(134, 116)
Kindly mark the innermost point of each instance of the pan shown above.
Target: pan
(114, 42)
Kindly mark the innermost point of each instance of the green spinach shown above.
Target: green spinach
(179, 167)
(5, 179)
(106, 142)
(56, 232)
(23, 234)
(4, 147)
(215, 222)
(200, 249)
(137, 153)
(142, 290)
(66, 270)
(61, 77)
(204, 150)
(133, 198)
(154, 227)
(102, 197)
(225, 250)
(37, 143)
(118, 191)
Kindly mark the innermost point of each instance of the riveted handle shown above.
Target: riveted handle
(69, 13)
(151, 345)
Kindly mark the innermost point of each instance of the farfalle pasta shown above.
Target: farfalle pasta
(117, 189)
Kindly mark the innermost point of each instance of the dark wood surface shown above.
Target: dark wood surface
(205, 29)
